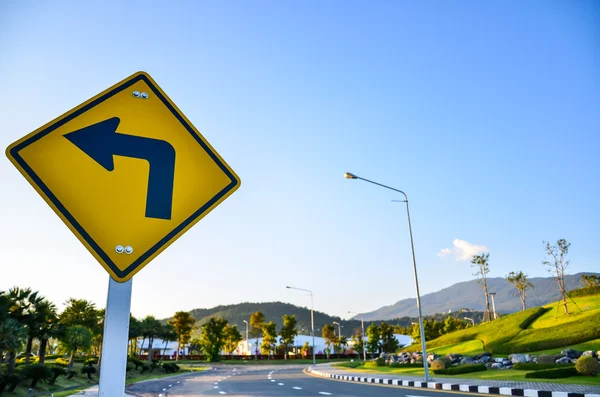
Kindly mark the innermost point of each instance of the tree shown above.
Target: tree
(213, 338)
(287, 333)
(328, 333)
(521, 282)
(79, 312)
(558, 263)
(77, 337)
(305, 349)
(482, 264)
(343, 341)
(195, 345)
(452, 324)
(135, 331)
(184, 324)
(373, 336)
(269, 341)
(257, 319)
(151, 329)
(590, 281)
(168, 334)
(23, 303)
(49, 328)
(389, 343)
(12, 336)
(233, 337)
(357, 342)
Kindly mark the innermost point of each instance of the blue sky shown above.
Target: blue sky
(485, 114)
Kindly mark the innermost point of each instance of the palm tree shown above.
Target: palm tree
(482, 264)
(168, 334)
(12, 336)
(23, 309)
(77, 337)
(135, 331)
(152, 328)
(48, 326)
(80, 312)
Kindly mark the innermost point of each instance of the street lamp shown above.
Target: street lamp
(247, 346)
(312, 319)
(362, 335)
(493, 294)
(468, 318)
(339, 329)
(412, 246)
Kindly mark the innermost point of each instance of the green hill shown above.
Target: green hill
(541, 329)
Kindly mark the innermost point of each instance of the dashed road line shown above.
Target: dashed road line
(222, 392)
(325, 393)
(280, 384)
(296, 388)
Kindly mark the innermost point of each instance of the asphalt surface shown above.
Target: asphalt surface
(271, 381)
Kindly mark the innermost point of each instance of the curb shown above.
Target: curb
(504, 391)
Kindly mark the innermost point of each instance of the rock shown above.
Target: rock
(486, 359)
(574, 360)
(563, 360)
(506, 367)
(486, 354)
(571, 353)
(590, 353)
(519, 358)
(498, 360)
(496, 365)
(489, 365)
(506, 362)
(467, 360)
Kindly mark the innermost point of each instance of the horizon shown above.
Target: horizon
(486, 115)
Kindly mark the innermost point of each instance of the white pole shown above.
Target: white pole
(116, 336)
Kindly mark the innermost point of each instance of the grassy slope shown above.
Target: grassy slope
(549, 333)
(504, 374)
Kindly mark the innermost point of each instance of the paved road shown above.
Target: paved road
(272, 381)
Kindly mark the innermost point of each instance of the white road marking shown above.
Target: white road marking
(170, 385)
(178, 381)
(327, 394)
(215, 387)
(280, 384)
(216, 383)
(165, 389)
(296, 388)
(272, 380)
(222, 392)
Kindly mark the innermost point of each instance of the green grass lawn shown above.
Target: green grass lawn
(501, 374)
(548, 334)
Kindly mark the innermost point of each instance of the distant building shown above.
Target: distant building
(158, 347)
(249, 348)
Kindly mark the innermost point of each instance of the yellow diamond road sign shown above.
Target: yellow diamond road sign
(126, 171)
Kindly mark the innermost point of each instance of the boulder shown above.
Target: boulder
(489, 365)
(467, 360)
(574, 360)
(486, 354)
(498, 360)
(496, 365)
(486, 359)
(506, 362)
(519, 358)
(590, 353)
(571, 353)
(563, 360)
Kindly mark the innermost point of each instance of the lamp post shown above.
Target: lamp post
(362, 335)
(412, 246)
(312, 319)
(339, 329)
(493, 294)
(468, 318)
(247, 346)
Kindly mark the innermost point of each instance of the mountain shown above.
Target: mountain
(273, 311)
(469, 294)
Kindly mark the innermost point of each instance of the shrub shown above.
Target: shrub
(61, 361)
(370, 364)
(406, 365)
(555, 373)
(57, 371)
(145, 367)
(36, 373)
(380, 362)
(460, 369)
(585, 291)
(170, 367)
(89, 370)
(91, 361)
(534, 316)
(438, 364)
(587, 366)
(138, 363)
(538, 367)
(545, 359)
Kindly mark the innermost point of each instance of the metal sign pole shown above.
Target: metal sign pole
(116, 336)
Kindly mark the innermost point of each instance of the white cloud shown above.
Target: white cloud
(463, 250)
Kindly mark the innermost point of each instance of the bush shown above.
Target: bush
(438, 364)
(36, 373)
(170, 367)
(534, 316)
(538, 367)
(460, 369)
(555, 373)
(587, 366)
(91, 361)
(89, 370)
(407, 365)
(380, 362)
(545, 359)
(61, 361)
(447, 360)
(585, 292)
(57, 371)
(145, 367)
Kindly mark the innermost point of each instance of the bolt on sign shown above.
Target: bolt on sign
(126, 171)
